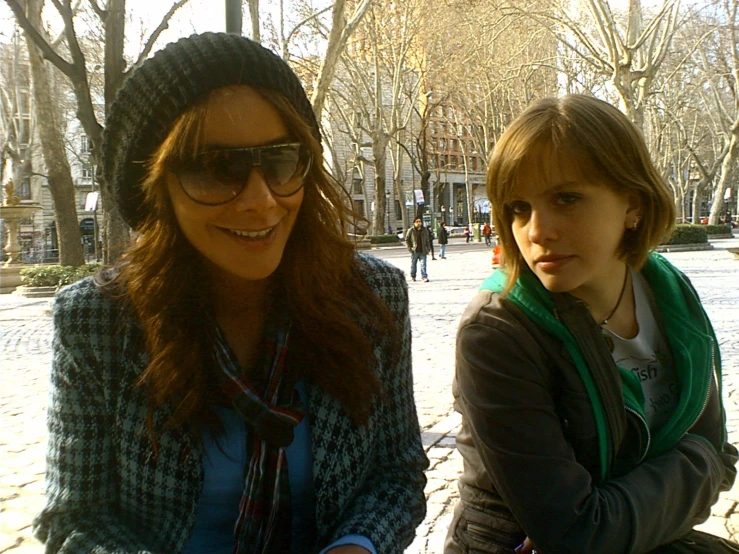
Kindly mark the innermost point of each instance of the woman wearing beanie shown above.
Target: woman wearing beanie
(231, 386)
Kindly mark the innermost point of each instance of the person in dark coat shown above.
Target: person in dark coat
(443, 240)
(588, 373)
(418, 241)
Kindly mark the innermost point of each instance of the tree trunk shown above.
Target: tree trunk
(379, 145)
(697, 201)
(727, 172)
(398, 185)
(680, 204)
(340, 33)
(254, 17)
(58, 172)
(116, 232)
(470, 199)
(233, 17)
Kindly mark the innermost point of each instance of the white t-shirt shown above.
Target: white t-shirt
(647, 356)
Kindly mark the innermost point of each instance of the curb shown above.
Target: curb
(34, 292)
(683, 247)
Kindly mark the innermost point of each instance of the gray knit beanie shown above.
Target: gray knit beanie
(168, 83)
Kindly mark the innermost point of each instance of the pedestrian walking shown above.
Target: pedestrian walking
(487, 232)
(620, 443)
(232, 386)
(418, 241)
(467, 234)
(431, 241)
(443, 240)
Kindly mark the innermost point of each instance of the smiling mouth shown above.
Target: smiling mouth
(252, 234)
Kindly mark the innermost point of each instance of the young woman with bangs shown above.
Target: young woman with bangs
(587, 374)
(232, 386)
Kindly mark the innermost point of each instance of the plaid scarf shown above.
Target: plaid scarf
(271, 409)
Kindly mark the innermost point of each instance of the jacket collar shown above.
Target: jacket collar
(686, 327)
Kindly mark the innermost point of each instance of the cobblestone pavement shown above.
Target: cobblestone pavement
(25, 337)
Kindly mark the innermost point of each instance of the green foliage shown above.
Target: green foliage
(717, 229)
(56, 275)
(688, 234)
(383, 239)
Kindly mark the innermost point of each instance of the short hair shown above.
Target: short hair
(604, 141)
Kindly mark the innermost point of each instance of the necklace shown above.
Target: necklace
(620, 297)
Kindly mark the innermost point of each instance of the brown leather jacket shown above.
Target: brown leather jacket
(531, 458)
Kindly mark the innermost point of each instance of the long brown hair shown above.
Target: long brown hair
(606, 145)
(332, 305)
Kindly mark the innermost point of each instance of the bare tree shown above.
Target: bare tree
(341, 29)
(624, 48)
(58, 173)
(378, 83)
(17, 120)
(111, 18)
(693, 108)
(493, 63)
(727, 105)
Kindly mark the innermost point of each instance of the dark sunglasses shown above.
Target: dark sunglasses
(216, 177)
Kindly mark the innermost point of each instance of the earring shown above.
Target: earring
(635, 226)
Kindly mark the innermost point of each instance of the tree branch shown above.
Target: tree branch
(163, 25)
(97, 9)
(306, 20)
(48, 52)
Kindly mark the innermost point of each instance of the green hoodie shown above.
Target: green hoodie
(689, 334)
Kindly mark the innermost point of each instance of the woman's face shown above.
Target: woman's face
(568, 227)
(245, 237)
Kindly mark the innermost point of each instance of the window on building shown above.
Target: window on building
(357, 182)
(24, 190)
(87, 172)
(85, 145)
(359, 207)
(24, 101)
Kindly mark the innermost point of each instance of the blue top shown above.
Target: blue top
(223, 483)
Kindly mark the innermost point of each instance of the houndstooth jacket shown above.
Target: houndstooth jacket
(108, 493)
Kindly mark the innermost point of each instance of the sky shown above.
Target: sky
(195, 16)
(144, 15)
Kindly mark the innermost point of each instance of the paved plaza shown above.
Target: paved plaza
(25, 338)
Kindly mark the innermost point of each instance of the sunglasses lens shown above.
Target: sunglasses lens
(218, 176)
(211, 178)
(284, 168)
